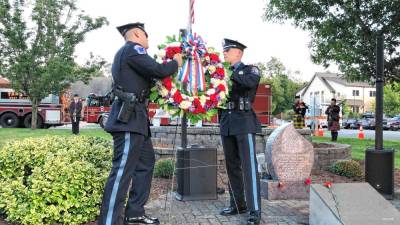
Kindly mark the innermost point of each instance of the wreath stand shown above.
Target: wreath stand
(196, 166)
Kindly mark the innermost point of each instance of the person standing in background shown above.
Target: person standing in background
(333, 119)
(299, 108)
(75, 110)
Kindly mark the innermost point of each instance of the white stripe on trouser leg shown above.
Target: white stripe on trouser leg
(118, 179)
(253, 172)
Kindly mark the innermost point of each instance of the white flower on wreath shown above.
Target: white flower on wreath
(210, 91)
(185, 104)
(174, 44)
(163, 92)
(171, 100)
(222, 95)
(191, 99)
(216, 82)
(161, 53)
(203, 100)
(212, 69)
(173, 90)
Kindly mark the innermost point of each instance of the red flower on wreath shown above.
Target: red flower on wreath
(213, 98)
(199, 110)
(167, 82)
(221, 87)
(214, 58)
(177, 97)
(220, 71)
(171, 51)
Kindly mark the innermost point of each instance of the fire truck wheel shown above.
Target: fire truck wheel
(102, 121)
(9, 120)
(28, 121)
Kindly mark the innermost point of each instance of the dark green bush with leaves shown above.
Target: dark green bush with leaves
(347, 168)
(164, 168)
(53, 180)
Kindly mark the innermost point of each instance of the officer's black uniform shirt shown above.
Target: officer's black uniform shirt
(245, 80)
(133, 69)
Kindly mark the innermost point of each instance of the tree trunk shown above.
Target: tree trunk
(34, 113)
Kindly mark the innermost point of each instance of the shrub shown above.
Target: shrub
(347, 168)
(164, 168)
(53, 180)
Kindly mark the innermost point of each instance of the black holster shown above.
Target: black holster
(129, 101)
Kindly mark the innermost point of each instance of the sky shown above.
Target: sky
(214, 20)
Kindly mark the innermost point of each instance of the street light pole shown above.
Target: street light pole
(379, 162)
(379, 93)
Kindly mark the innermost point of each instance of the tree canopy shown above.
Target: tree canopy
(37, 42)
(344, 32)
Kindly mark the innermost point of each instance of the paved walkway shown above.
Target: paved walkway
(287, 212)
(207, 212)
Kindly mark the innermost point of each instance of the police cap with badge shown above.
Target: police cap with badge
(228, 44)
(125, 28)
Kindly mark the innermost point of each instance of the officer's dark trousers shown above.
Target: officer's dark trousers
(133, 162)
(75, 125)
(241, 165)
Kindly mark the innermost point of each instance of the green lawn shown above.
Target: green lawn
(11, 134)
(359, 146)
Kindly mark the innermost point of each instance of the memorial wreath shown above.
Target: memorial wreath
(200, 86)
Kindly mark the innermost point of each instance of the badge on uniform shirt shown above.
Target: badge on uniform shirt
(140, 50)
(241, 72)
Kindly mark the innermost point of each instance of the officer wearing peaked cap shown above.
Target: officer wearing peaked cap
(238, 125)
(133, 71)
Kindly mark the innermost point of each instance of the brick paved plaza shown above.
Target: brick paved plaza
(288, 212)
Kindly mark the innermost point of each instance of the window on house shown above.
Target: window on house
(356, 109)
(322, 96)
(356, 93)
(372, 94)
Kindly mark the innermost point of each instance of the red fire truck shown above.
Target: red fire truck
(97, 108)
(16, 110)
(262, 108)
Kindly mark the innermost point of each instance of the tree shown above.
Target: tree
(344, 32)
(391, 101)
(37, 42)
(283, 87)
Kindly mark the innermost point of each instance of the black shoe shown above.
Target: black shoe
(254, 218)
(220, 191)
(141, 220)
(233, 211)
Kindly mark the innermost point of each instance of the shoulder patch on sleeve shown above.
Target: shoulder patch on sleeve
(255, 70)
(140, 50)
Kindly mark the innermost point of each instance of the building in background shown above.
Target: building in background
(359, 96)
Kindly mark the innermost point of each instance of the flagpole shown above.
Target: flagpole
(191, 15)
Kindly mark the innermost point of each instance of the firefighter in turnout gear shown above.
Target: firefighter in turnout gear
(238, 125)
(133, 71)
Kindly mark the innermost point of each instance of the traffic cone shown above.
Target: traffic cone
(320, 131)
(361, 133)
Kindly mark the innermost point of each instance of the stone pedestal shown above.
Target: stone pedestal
(273, 190)
(289, 158)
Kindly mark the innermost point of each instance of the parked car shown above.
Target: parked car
(365, 123)
(393, 123)
(349, 123)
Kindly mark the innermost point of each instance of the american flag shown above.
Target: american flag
(192, 11)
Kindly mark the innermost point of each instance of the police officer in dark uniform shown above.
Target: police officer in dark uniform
(75, 111)
(238, 125)
(133, 71)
